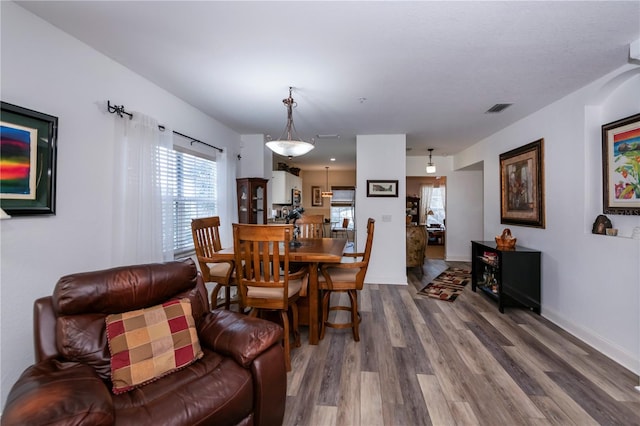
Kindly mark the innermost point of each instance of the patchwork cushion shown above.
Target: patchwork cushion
(149, 343)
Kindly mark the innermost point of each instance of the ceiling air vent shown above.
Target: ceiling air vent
(497, 108)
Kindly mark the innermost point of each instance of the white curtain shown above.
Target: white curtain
(425, 201)
(227, 201)
(140, 200)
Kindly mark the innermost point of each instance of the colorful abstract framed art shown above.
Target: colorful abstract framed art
(27, 161)
(522, 185)
(621, 166)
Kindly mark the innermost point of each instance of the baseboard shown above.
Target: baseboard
(611, 350)
(457, 258)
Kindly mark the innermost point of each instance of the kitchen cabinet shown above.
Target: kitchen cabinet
(282, 183)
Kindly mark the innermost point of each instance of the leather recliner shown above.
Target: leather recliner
(240, 379)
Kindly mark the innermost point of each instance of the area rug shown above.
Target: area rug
(448, 285)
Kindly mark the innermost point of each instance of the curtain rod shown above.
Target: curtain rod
(119, 109)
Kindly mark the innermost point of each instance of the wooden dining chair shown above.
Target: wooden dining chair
(311, 226)
(206, 239)
(264, 279)
(345, 277)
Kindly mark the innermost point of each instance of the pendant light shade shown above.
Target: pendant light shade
(431, 168)
(327, 193)
(289, 144)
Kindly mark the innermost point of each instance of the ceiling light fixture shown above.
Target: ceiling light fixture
(431, 168)
(327, 193)
(289, 144)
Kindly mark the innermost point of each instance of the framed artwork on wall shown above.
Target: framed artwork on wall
(621, 166)
(382, 188)
(28, 149)
(522, 185)
(316, 196)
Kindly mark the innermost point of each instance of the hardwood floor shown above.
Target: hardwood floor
(422, 361)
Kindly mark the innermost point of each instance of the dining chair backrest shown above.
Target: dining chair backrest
(345, 222)
(263, 252)
(366, 255)
(206, 240)
(206, 235)
(311, 226)
(263, 277)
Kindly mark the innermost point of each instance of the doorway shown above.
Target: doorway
(431, 192)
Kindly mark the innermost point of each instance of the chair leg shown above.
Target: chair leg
(227, 297)
(287, 349)
(353, 310)
(295, 322)
(325, 312)
(214, 296)
(355, 317)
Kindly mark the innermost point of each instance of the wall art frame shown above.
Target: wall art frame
(522, 186)
(316, 196)
(621, 166)
(382, 188)
(28, 182)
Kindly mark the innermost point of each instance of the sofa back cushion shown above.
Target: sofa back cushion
(82, 301)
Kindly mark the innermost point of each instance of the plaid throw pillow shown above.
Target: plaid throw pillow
(149, 343)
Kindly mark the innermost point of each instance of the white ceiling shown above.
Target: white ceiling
(427, 69)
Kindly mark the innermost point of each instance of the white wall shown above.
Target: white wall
(49, 71)
(590, 283)
(382, 157)
(464, 195)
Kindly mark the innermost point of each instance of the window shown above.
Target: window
(342, 205)
(436, 205)
(190, 185)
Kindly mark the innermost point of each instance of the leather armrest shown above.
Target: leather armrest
(52, 392)
(241, 337)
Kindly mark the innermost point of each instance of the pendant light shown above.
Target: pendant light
(289, 144)
(431, 168)
(327, 193)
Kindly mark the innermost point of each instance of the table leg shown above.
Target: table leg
(313, 303)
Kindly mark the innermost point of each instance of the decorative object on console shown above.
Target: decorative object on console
(506, 241)
(28, 140)
(621, 166)
(289, 144)
(522, 185)
(601, 224)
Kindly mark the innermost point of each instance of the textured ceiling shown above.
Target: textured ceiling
(427, 69)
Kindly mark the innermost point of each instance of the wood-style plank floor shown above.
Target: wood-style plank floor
(422, 361)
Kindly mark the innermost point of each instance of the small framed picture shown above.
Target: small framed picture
(522, 185)
(382, 188)
(28, 150)
(621, 166)
(316, 196)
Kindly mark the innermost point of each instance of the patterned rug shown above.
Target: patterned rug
(448, 285)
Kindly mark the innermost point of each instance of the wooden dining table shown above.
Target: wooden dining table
(312, 251)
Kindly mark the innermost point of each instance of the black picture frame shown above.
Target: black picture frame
(20, 130)
(382, 188)
(621, 166)
(522, 186)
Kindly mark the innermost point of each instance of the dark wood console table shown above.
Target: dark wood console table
(507, 276)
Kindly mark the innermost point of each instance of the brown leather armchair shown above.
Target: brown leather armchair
(240, 379)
